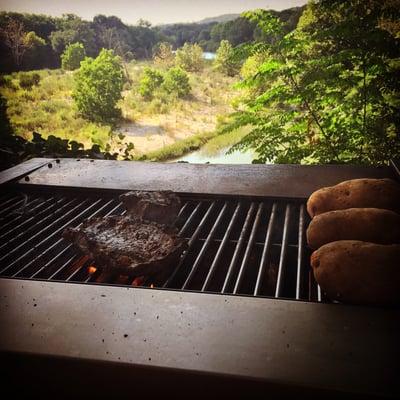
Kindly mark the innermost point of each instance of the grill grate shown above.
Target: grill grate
(235, 245)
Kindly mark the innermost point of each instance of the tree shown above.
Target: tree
(19, 41)
(176, 81)
(151, 80)
(98, 87)
(163, 55)
(327, 92)
(190, 57)
(225, 60)
(72, 29)
(72, 56)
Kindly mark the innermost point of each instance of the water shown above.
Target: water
(201, 157)
(208, 56)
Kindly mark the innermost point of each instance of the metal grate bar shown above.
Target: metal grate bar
(27, 221)
(206, 244)
(16, 216)
(192, 240)
(48, 227)
(238, 248)
(80, 215)
(221, 248)
(300, 255)
(282, 260)
(5, 198)
(51, 235)
(266, 250)
(71, 245)
(182, 210)
(190, 219)
(249, 247)
(12, 206)
(9, 201)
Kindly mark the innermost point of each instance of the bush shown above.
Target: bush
(98, 87)
(163, 55)
(151, 80)
(176, 81)
(72, 56)
(225, 61)
(190, 57)
(27, 80)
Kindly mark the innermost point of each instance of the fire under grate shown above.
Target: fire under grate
(236, 245)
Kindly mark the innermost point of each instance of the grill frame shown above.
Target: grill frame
(212, 209)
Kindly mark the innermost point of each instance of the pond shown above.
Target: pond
(201, 157)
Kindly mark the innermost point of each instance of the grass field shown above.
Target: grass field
(160, 129)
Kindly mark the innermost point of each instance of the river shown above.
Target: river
(201, 157)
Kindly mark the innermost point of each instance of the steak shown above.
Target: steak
(160, 206)
(129, 245)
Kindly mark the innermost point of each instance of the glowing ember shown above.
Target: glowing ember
(91, 269)
(138, 281)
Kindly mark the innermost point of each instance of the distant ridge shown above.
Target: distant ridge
(219, 18)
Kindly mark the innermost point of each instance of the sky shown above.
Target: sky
(155, 11)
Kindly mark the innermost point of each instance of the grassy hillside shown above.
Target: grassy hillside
(165, 126)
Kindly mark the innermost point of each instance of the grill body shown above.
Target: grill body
(240, 313)
(253, 247)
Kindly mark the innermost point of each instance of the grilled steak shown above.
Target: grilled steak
(162, 206)
(128, 245)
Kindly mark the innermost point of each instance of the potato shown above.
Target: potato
(358, 272)
(356, 193)
(367, 224)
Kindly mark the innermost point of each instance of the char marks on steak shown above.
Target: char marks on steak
(159, 206)
(129, 245)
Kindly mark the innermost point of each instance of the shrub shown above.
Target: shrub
(163, 55)
(27, 80)
(151, 80)
(98, 87)
(72, 56)
(190, 57)
(225, 61)
(176, 81)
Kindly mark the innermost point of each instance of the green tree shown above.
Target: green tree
(151, 80)
(225, 60)
(176, 81)
(19, 41)
(72, 56)
(190, 57)
(327, 92)
(98, 86)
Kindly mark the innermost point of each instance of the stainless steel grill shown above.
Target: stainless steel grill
(240, 246)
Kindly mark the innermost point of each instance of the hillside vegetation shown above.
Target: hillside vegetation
(47, 107)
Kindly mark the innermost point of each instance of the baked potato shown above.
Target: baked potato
(358, 272)
(366, 224)
(356, 193)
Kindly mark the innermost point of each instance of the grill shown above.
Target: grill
(241, 246)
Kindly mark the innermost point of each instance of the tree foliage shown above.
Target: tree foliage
(176, 81)
(72, 56)
(98, 87)
(151, 81)
(190, 57)
(18, 40)
(225, 60)
(327, 92)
